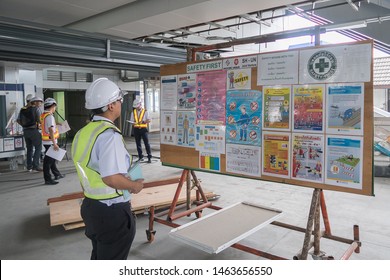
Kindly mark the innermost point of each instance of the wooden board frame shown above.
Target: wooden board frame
(188, 158)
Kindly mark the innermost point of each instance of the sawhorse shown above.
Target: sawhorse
(317, 207)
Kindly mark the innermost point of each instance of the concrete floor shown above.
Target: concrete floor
(26, 234)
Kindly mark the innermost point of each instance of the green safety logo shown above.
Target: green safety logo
(322, 65)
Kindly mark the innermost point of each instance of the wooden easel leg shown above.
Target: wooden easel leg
(150, 233)
(198, 186)
(198, 209)
(324, 212)
(199, 193)
(356, 237)
(317, 231)
(308, 233)
(188, 194)
(183, 178)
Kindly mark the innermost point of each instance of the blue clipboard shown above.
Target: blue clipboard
(135, 173)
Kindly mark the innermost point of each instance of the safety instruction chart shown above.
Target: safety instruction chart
(243, 117)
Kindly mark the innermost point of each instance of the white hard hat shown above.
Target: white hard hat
(137, 102)
(36, 99)
(49, 101)
(101, 93)
(29, 97)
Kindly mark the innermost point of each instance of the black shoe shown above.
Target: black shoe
(149, 161)
(59, 177)
(37, 169)
(51, 182)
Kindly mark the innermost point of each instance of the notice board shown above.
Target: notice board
(302, 117)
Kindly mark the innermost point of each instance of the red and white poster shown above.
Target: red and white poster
(211, 97)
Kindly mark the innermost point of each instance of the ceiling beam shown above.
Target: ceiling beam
(130, 12)
(45, 46)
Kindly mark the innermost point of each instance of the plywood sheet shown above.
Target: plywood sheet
(221, 229)
(64, 212)
(68, 211)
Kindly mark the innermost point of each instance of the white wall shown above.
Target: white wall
(11, 75)
(380, 99)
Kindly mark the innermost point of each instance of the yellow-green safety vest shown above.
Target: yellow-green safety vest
(90, 179)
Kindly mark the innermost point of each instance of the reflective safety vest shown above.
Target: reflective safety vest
(82, 146)
(138, 119)
(46, 134)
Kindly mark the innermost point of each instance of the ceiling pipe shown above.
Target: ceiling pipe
(266, 38)
(293, 9)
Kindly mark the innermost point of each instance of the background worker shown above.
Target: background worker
(140, 119)
(102, 163)
(50, 135)
(29, 119)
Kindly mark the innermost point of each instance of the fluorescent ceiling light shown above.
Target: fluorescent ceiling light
(347, 25)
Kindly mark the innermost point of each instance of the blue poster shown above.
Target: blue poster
(344, 161)
(243, 117)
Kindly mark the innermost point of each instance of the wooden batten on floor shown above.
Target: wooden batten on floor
(65, 210)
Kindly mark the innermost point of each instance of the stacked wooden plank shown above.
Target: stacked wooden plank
(65, 210)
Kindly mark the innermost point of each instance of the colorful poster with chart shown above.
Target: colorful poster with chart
(276, 108)
(276, 154)
(186, 92)
(345, 109)
(211, 97)
(210, 161)
(210, 138)
(243, 117)
(243, 159)
(308, 157)
(168, 93)
(168, 127)
(239, 79)
(308, 103)
(344, 161)
(186, 128)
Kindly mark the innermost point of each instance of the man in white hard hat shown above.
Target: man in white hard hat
(140, 119)
(102, 163)
(29, 119)
(50, 134)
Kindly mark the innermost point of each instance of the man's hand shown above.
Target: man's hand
(138, 186)
(122, 182)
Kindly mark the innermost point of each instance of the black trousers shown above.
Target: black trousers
(34, 147)
(142, 133)
(111, 229)
(49, 164)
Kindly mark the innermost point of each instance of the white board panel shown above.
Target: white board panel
(215, 232)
